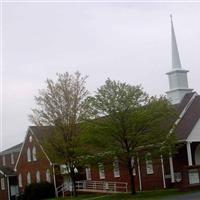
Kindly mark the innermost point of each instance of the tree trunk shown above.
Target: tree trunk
(72, 174)
(132, 177)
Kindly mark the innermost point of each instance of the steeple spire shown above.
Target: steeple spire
(176, 63)
(178, 83)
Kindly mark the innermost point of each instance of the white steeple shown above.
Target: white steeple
(176, 63)
(178, 83)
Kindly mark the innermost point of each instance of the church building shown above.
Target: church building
(28, 162)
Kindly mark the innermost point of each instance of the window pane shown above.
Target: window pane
(28, 178)
(48, 176)
(34, 154)
(88, 173)
(101, 171)
(37, 176)
(116, 168)
(28, 155)
(4, 160)
(20, 180)
(2, 184)
(12, 158)
(149, 164)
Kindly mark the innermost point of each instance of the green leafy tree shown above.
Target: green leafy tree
(61, 106)
(124, 121)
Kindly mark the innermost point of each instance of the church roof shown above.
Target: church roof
(41, 131)
(190, 117)
(13, 149)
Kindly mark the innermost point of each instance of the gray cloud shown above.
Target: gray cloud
(124, 41)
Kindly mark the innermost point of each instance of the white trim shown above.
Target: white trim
(189, 154)
(15, 168)
(139, 174)
(163, 171)
(183, 112)
(41, 146)
(194, 134)
(171, 168)
(29, 130)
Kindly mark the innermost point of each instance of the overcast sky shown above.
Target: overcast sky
(124, 41)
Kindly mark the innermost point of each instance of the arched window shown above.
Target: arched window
(149, 164)
(12, 158)
(20, 180)
(4, 160)
(34, 154)
(3, 187)
(101, 171)
(30, 138)
(28, 178)
(38, 176)
(28, 155)
(88, 173)
(48, 176)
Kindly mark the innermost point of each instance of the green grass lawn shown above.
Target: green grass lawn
(153, 195)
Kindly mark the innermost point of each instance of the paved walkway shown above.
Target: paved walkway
(192, 196)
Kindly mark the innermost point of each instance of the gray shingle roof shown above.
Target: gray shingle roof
(13, 149)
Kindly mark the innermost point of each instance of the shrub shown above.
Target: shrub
(37, 191)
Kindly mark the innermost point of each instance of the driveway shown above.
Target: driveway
(191, 196)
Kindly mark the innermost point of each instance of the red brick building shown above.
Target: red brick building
(9, 183)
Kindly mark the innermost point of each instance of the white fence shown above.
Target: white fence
(101, 186)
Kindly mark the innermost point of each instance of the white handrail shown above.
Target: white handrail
(95, 186)
(104, 186)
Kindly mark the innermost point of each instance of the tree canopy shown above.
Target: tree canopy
(128, 120)
(61, 106)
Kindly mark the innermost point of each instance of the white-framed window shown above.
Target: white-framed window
(88, 173)
(116, 170)
(3, 184)
(101, 171)
(30, 138)
(20, 180)
(12, 160)
(149, 164)
(4, 160)
(133, 165)
(28, 178)
(38, 176)
(28, 155)
(34, 154)
(48, 176)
